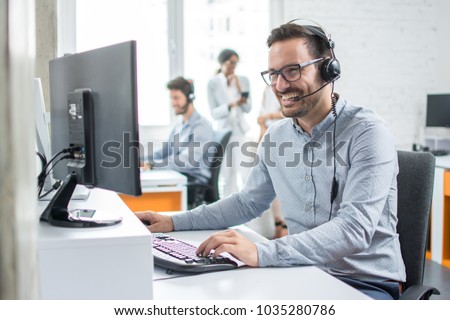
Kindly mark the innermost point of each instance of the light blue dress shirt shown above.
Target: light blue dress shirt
(186, 150)
(360, 239)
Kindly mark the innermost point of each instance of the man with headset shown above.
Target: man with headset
(332, 164)
(184, 150)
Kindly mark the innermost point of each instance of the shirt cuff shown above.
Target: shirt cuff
(182, 221)
(266, 253)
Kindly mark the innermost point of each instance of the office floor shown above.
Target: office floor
(437, 276)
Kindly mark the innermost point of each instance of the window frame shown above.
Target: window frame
(66, 40)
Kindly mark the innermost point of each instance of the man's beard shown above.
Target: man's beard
(303, 107)
(183, 110)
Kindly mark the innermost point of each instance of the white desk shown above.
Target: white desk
(253, 283)
(116, 263)
(162, 190)
(96, 263)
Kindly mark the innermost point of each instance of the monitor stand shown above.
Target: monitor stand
(58, 214)
(80, 193)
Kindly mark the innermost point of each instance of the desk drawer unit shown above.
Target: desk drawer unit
(156, 201)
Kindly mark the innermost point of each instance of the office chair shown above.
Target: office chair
(415, 191)
(206, 193)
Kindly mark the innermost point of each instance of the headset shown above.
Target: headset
(190, 93)
(330, 71)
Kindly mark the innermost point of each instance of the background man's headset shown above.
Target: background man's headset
(330, 71)
(190, 92)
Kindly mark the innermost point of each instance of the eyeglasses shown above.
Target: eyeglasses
(289, 73)
(231, 63)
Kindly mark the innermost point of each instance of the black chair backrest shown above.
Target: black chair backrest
(415, 191)
(220, 141)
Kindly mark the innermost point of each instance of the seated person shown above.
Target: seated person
(184, 150)
(333, 166)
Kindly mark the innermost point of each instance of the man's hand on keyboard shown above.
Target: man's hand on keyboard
(232, 242)
(155, 221)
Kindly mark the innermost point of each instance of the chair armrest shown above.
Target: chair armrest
(196, 194)
(198, 185)
(418, 292)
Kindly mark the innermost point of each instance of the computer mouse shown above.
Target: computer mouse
(146, 223)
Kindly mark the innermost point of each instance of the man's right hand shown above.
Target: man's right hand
(145, 166)
(157, 222)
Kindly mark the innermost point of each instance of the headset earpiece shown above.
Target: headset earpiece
(330, 68)
(190, 96)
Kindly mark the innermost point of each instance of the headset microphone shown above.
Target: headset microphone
(297, 99)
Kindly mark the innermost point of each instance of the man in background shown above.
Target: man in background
(184, 150)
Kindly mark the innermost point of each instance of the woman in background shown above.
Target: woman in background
(270, 111)
(229, 101)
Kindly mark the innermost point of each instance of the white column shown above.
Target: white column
(18, 220)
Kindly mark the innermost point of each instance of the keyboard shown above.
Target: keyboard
(177, 255)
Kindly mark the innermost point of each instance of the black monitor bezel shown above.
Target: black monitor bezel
(438, 110)
(110, 73)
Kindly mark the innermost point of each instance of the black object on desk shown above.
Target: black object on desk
(178, 255)
(439, 152)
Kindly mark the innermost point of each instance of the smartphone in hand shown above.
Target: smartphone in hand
(244, 94)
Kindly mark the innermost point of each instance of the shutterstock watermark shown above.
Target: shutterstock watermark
(193, 153)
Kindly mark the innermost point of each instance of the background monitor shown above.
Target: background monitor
(104, 82)
(438, 110)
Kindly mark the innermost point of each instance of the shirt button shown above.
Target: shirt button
(307, 208)
(307, 178)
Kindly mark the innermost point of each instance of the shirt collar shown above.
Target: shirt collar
(322, 126)
(192, 119)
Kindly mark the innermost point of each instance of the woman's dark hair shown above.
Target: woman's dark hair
(226, 54)
(317, 46)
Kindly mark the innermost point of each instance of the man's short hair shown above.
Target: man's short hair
(183, 85)
(317, 46)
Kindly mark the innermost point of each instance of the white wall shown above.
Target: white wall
(392, 53)
(442, 68)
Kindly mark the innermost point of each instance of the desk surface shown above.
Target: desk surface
(125, 250)
(112, 262)
(158, 178)
(293, 283)
(443, 162)
(130, 229)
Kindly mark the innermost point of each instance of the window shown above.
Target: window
(213, 25)
(103, 22)
(195, 31)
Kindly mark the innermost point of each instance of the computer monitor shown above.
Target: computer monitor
(438, 110)
(93, 101)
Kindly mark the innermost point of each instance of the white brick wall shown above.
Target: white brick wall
(392, 53)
